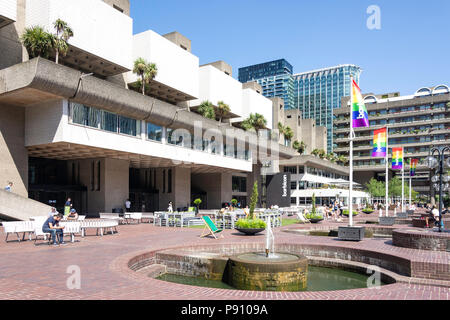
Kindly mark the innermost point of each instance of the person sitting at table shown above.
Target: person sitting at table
(51, 225)
(73, 215)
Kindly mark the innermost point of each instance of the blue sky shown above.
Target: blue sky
(411, 50)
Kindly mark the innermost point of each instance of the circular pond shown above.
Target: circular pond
(318, 279)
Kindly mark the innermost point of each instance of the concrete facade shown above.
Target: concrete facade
(222, 66)
(13, 154)
(179, 40)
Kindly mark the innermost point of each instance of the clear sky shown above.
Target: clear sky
(411, 50)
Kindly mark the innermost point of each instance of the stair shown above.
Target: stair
(14, 207)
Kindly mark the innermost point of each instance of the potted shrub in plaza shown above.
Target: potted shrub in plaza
(197, 203)
(314, 216)
(251, 225)
(345, 213)
(368, 210)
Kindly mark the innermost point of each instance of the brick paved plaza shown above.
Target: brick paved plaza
(40, 272)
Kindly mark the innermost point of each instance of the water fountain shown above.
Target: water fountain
(267, 271)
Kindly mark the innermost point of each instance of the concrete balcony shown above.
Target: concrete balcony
(217, 86)
(178, 70)
(253, 102)
(8, 12)
(50, 133)
(102, 41)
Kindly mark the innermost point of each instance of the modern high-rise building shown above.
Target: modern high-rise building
(315, 93)
(275, 78)
(415, 122)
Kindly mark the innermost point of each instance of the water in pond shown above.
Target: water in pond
(319, 279)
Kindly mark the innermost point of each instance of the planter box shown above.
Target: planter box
(315, 220)
(410, 212)
(402, 215)
(387, 221)
(351, 233)
(250, 232)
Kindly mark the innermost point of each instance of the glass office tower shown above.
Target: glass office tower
(317, 93)
(275, 78)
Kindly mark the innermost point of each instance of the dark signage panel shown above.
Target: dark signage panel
(279, 190)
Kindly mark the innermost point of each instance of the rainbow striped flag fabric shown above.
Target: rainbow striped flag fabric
(413, 167)
(397, 158)
(379, 143)
(360, 117)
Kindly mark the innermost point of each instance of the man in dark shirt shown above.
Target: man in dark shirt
(51, 225)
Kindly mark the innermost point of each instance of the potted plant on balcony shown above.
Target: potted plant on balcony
(251, 225)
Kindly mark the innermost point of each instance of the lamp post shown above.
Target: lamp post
(438, 180)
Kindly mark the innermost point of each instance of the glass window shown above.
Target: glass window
(109, 121)
(128, 126)
(154, 132)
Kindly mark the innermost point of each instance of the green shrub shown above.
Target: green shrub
(355, 213)
(368, 210)
(251, 224)
(310, 216)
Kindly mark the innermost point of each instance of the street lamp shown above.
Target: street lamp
(439, 182)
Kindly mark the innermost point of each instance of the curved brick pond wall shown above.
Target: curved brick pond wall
(421, 239)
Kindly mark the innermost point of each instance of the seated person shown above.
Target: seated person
(51, 225)
(433, 216)
(73, 215)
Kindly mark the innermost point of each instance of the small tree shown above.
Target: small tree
(222, 110)
(146, 71)
(206, 109)
(253, 201)
(197, 203)
(37, 41)
(63, 34)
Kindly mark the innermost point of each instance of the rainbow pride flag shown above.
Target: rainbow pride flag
(360, 117)
(397, 158)
(379, 143)
(413, 167)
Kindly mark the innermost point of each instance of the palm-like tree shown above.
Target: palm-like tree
(146, 71)
(342, 159)
(281, 129)
(288, 133)
(37, 41)
(254, 122)
(63, 34)
(222, 110)
(206, 109)
(322, 154)
(301, 149)
(315, 152)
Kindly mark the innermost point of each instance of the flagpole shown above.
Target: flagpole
(350, 189)
(403, 185)
(410, 188)
(387, 171)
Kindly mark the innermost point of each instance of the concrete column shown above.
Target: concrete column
(113, 188)
(13, 154)
(116, 181)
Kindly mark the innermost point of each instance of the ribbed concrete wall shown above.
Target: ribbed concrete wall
(16, 207)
